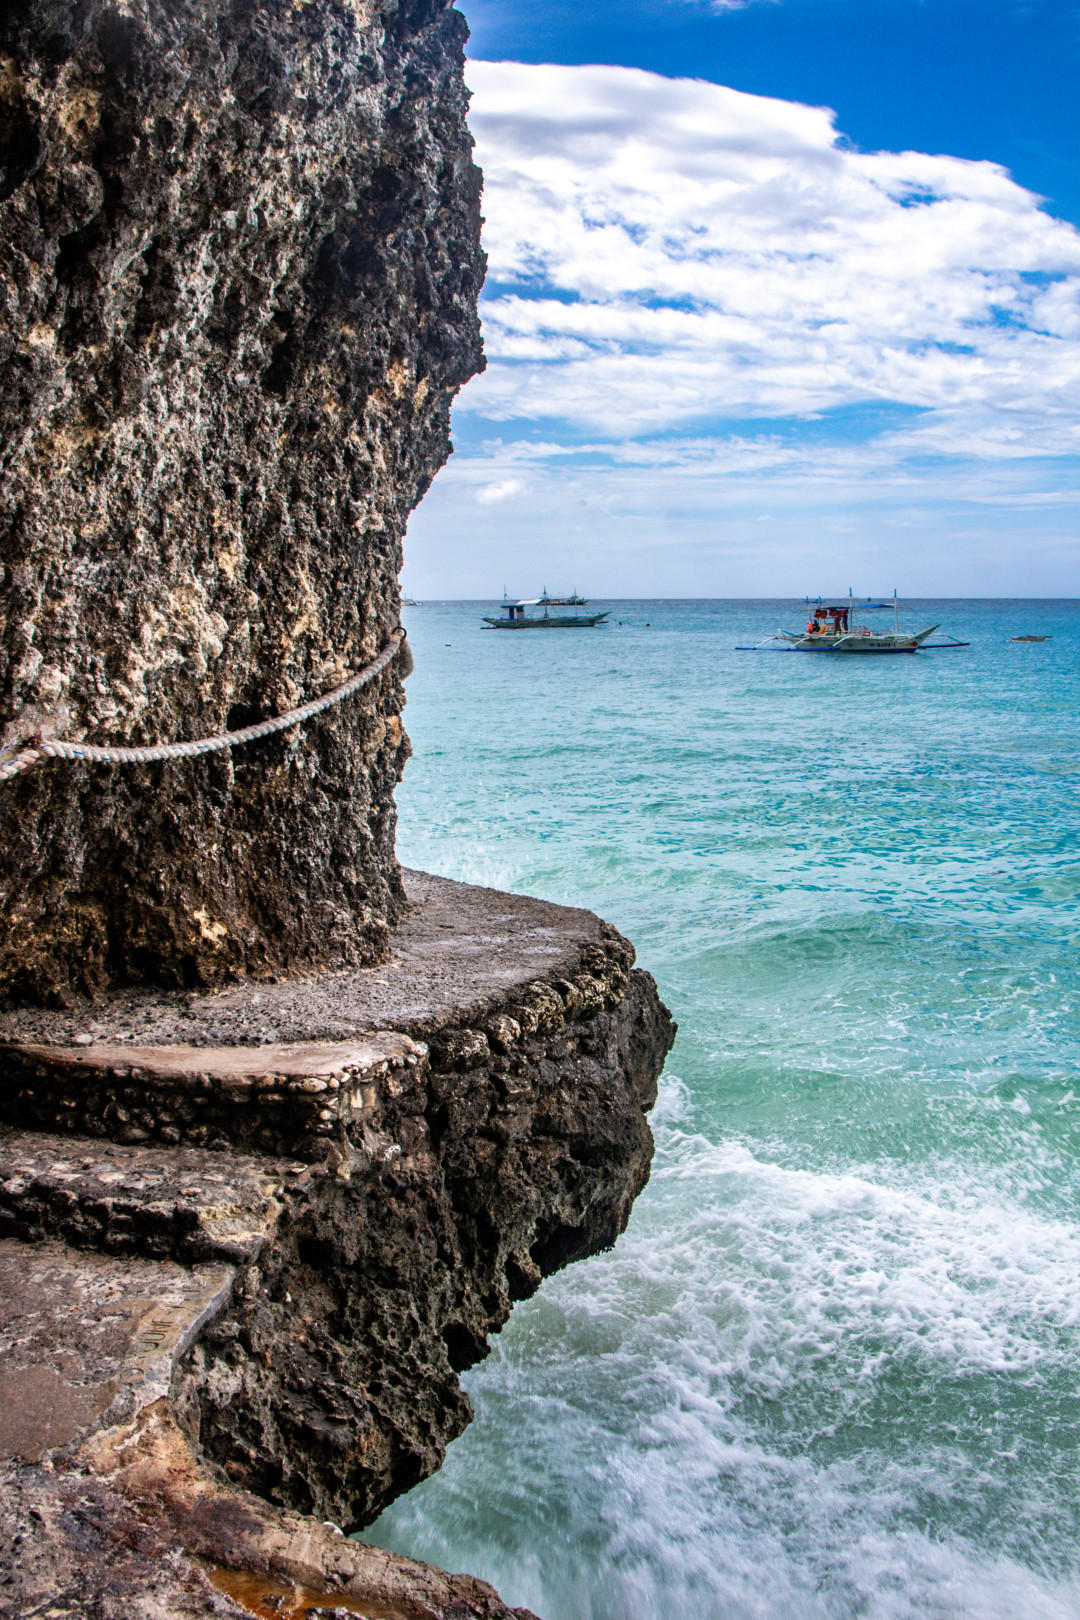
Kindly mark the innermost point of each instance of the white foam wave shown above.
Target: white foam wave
(935, 1270)
(771, 1403)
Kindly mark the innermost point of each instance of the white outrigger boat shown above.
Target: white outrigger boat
(834, 628)
(515, 618)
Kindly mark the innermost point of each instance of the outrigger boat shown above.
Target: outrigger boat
(515, 618)
(832, 627)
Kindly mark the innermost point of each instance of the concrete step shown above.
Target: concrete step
(87, 1340)
(186, 1204)
(280, 1099)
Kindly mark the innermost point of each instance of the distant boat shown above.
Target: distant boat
(573, 600)
(832, 627)
(515, 618)
(1031, 638)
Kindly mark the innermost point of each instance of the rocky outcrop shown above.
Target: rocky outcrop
(498, 1135)
(295, 1326)
(284, 1132)
(242, 262)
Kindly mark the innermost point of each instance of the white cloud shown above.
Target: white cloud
(490, 494)
(670, 251)
(728, 355)
(749, 466)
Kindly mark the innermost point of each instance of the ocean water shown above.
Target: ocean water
(833, 1367)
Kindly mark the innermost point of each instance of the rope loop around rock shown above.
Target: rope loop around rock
(52, 748)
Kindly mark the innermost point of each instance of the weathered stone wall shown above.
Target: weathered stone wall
(241, 262)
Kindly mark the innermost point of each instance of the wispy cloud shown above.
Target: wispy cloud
(502, 490)
(726, 5)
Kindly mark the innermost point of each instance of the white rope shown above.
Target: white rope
(53, 749)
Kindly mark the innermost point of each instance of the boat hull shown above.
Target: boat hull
(874, 643)
(866, 646)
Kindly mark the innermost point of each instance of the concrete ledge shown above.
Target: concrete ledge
(459, 953)
(179, 1203)
(277, 1099)
(289, 1069)
(89, 1340)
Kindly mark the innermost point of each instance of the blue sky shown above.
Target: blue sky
(975, 78)
(783, 297)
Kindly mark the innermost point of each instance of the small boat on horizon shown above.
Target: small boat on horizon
(573, 600)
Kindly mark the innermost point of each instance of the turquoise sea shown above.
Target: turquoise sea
(833, 1367)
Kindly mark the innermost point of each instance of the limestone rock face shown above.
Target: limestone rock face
(241, 264)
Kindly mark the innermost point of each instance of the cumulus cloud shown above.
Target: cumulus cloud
(729, 355)
(671, 252)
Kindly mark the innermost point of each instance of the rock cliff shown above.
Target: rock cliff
(284, 1132)
(498, 1133)
(241, 269)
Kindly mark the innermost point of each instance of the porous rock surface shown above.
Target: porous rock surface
(241, 263)
(367, 1281)
(283, 1135)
